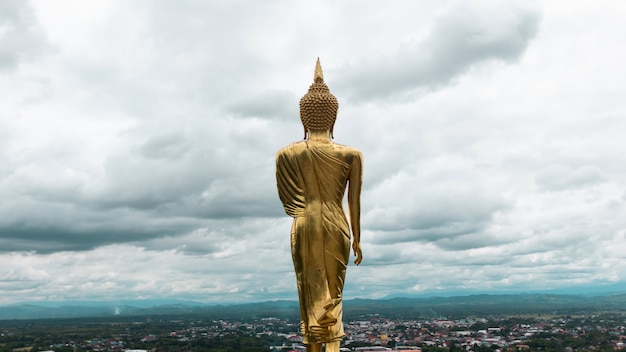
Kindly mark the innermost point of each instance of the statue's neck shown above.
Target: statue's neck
(319, 137)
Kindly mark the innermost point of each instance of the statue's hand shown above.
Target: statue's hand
(356, 247)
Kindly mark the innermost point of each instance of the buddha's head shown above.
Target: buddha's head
(318, 108)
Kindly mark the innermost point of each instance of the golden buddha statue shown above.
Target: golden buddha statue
(312, 176)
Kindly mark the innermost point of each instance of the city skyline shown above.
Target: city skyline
(137, 144)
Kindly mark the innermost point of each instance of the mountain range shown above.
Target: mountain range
(405, 307)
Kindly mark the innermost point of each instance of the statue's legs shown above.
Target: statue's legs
(315, 347)
(333, 346)
(329, 347)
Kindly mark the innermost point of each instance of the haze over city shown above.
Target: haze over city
(137, 144)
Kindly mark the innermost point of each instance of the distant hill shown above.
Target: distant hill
(462, 306)
(451, 307)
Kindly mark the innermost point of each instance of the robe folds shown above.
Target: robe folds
(311, 180)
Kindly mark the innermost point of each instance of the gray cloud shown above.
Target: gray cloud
(169, 146)
(460, 38)
(434, 206)
(63, 229)
(452, 213)
(21, 36)
(562, 177)
(273, 104)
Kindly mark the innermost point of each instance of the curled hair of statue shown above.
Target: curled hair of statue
(318, 107)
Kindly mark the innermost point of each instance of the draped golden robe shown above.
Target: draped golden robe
(311, 180)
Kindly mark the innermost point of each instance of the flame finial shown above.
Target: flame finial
(318, 76)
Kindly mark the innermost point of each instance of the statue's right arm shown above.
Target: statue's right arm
(355, 181)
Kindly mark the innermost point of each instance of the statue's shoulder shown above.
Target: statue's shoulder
(291, 148)
(351, 155)
(345, 149)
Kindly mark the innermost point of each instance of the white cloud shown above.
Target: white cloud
(137, 145)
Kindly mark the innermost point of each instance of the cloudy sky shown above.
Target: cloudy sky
(137, 143)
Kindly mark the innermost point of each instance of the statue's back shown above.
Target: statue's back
(326, 169)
